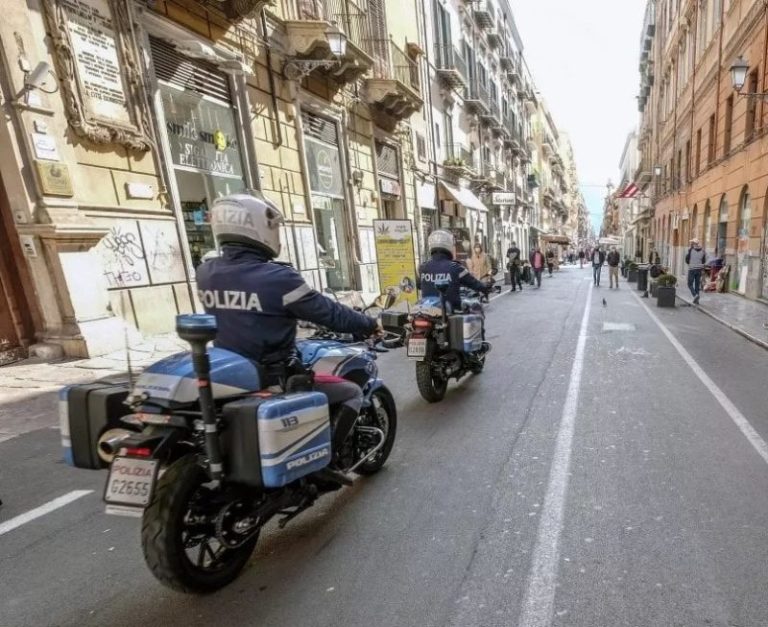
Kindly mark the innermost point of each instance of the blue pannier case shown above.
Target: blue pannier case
(270, 441)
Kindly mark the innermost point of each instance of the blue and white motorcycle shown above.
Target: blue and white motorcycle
(210, 456)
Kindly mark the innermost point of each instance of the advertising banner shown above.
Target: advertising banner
(395, 258)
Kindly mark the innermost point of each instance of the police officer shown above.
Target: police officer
(441, 267)
(257, 301)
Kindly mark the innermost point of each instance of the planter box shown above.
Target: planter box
(653, 289)
(632, 276)
(665, 296)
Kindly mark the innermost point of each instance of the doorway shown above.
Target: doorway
(332, 247)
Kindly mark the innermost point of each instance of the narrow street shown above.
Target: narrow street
(589, 477)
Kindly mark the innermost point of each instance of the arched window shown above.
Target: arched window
(695, 222)
(707, 226)
(722, 227)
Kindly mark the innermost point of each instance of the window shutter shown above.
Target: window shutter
(319, 128)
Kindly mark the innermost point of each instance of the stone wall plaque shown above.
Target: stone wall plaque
(99, 70)
(54, 178)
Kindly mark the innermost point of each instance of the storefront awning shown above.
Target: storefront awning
(464, 197)
(556, 239)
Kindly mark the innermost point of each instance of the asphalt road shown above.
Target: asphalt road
(588, 477)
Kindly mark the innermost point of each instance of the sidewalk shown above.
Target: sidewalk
(747, 317)
(29, 388)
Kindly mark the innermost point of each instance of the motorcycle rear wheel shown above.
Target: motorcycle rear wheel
(172, 528)
(383, 415)
(432, 388)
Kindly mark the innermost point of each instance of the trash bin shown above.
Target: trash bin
(642, 278)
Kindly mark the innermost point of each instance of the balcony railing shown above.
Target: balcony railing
(476, 96)
(350, 16)
(457, 156)
(451, 66)
(395, 63)
(485, 14)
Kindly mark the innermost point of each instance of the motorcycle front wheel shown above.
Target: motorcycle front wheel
(432, 387)
(382, 414)
(178, 535)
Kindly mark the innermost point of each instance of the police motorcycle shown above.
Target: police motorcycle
(206, 456)
(446, 344)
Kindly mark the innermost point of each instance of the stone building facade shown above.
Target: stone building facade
(703, 145)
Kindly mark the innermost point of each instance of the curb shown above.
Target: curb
(733, 327)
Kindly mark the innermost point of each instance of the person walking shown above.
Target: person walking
(514, 264)
(581, 257)
(550, 260)
(598, 259)
(537, 260)
(478, 264)
(696, 258)
(613, 259)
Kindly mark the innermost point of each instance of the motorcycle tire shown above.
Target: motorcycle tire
(382, 410)
(431, 388)
(163, 540)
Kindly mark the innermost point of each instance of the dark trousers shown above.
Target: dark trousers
(537, 273)
(596, 274)
(694, 282)
(515, 276)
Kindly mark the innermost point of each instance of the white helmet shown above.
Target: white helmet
(248, 219)
(441, 240)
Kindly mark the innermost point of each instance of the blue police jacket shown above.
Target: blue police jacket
(257, 303)
(441, 267)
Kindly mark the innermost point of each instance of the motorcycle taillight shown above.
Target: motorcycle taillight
(422, 324)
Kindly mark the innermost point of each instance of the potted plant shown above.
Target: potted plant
(665, 290)
(632, 274)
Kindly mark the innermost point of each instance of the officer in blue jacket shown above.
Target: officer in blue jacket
(257, 301)
(442, 268)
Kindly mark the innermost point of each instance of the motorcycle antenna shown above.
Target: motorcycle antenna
(128, 359)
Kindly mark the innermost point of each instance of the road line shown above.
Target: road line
(539, 602)
(738, 418)
(47, 508)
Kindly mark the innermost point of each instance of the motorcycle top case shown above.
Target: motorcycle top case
(85, 412)
(272, 440)
(465, 332)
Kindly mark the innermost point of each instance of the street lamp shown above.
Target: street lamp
(739, 71)
(298, 69)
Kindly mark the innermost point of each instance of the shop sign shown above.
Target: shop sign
(395, 258)
(503, 198)
(201, 134)
(324, 167)
(390, 187)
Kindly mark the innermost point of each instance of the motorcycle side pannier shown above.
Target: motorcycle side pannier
(465, 332)
(394, 321)
(270, 441)
(85, 412)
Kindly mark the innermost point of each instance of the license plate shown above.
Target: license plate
(417, 348)
(131, 481)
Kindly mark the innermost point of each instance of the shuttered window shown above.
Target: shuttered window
(386, 159)
(319, 128)
(175, 69)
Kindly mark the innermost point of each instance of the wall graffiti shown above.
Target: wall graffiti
(122, 256)
(162, 251)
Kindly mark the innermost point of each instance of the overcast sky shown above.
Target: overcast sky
(584, 58)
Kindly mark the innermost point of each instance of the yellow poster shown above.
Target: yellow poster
(395, 258)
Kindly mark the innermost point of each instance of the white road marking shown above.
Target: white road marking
(47, 508)
(738, 418)
(540, 595)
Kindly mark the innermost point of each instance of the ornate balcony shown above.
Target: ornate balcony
(451, 68)
(476, 98)
(492, 117)
(308, 26)
(459, 161)
(485, 14)
(495, 38)
(394, 89)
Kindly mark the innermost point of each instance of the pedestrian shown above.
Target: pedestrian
(537, 260)
(550, 260)
(598, 259)
(696, 258)
(613, 259)
(478, 264)
(581, 257)
(514, 265)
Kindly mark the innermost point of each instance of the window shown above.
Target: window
(678, 169)
(697, 167)
(688, 174)
(711, 146)
(437, 134)
(421, 147)
(749, 129)
(728, 124)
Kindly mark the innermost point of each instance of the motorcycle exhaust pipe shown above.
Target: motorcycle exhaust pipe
(110, 443)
